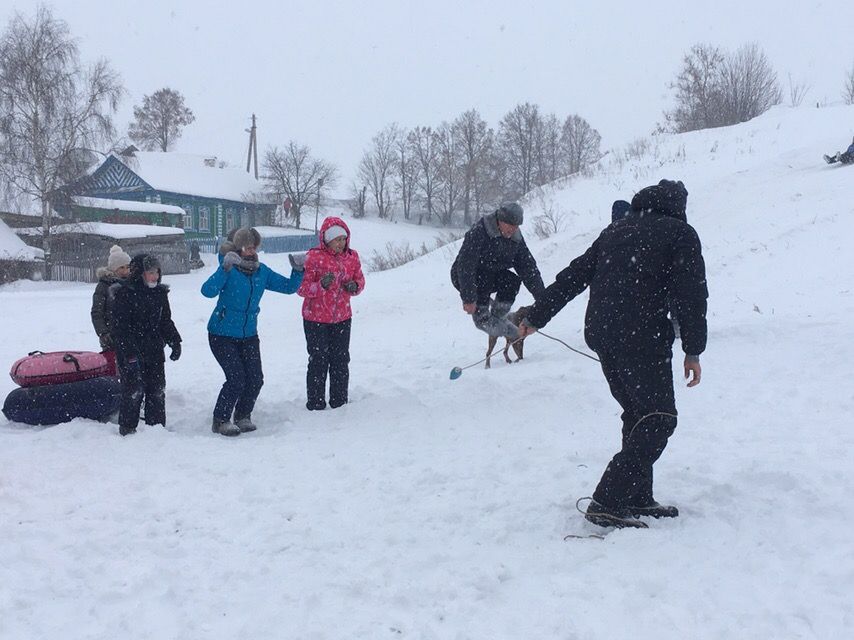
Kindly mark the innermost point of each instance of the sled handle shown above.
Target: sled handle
(32, 353)
(70, 358)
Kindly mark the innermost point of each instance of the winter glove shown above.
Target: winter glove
(231, 259)
(351, 287)
(297, 261)
(326, 280)
(176, 351)
(106, 342)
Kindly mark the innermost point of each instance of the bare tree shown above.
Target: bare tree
(53, 110)
(848, 93)
(517, 141)
(750, 85)
(475, 140)
(425, 151)
(548, 151)
(715, 89)
(580, 143)
(295, 173)
(376, 168)
(159, 121)
(698, 90)
(358, 200)
(797, 92)
(448, 172)
(407, 170)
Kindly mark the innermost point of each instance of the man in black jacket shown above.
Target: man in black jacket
(492, 247)
(141, 326)
(637, 269)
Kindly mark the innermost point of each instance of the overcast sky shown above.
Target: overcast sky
(332, 74)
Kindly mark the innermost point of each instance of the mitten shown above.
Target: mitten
(231, 259)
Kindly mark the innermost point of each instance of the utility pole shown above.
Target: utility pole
(253, 148)
(317, 203)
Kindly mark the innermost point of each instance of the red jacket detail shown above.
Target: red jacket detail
(333, 304)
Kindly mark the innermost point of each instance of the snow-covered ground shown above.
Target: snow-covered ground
(436, 509)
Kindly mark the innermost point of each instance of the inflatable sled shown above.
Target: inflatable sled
(95, 399)
(59, 367)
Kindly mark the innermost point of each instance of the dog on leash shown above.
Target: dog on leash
(516, 318)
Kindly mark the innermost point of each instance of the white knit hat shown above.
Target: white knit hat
(335, 231)
(118, 258)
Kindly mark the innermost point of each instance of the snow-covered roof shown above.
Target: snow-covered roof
(127, 205)
(192, 175)
(108, 230)
(13, 248)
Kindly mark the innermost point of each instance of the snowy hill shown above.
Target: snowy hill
(435, 509)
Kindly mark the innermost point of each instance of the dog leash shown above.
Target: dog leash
(456, 372)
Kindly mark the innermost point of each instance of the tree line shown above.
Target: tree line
(57, 119)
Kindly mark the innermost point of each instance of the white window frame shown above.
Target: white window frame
(204, 218)
(188, 216)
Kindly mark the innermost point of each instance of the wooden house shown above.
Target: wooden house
(214, 198)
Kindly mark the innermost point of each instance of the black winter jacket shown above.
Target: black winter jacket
(484, 248)
(102, 302)
(142, 320)
(638, 269)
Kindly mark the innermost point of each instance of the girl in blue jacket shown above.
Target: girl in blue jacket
(238, 285)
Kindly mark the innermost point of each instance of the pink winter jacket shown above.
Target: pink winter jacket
(332, 304)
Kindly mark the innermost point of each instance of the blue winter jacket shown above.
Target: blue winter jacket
(236, 312)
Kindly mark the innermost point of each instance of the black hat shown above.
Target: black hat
(667, 197)
(619, 209)
(510, 213)
(141, 263)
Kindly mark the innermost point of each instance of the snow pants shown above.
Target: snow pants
(240, 359)
(144, 382)
(642, 384)
(328, 346)
(504, 284)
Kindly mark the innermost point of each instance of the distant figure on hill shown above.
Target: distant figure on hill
(492, 247)
(845, 157)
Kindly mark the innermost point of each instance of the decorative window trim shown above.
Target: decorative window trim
(204, 218)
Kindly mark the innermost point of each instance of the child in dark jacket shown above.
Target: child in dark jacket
(238, 285)
(118, 268)
(333, 275)
(141, 327)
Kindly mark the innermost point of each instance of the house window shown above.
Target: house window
(204, 219)
(230, 219)
(156, 199)
(188, 216)
(244, 218)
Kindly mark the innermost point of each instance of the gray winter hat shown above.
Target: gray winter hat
(510, 213)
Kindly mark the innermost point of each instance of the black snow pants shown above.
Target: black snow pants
(145, 381)
(504, 284)
(240, 359)
(328, 346)
(642, 384)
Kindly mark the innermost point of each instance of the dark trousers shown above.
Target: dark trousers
(147, 382)
(642, 384)
(504, 284)
(328, 346)
(240, 359)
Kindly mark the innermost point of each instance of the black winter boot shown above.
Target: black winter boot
(654, 510)
(603, 516)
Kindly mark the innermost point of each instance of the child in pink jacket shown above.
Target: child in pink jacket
(333, 275)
